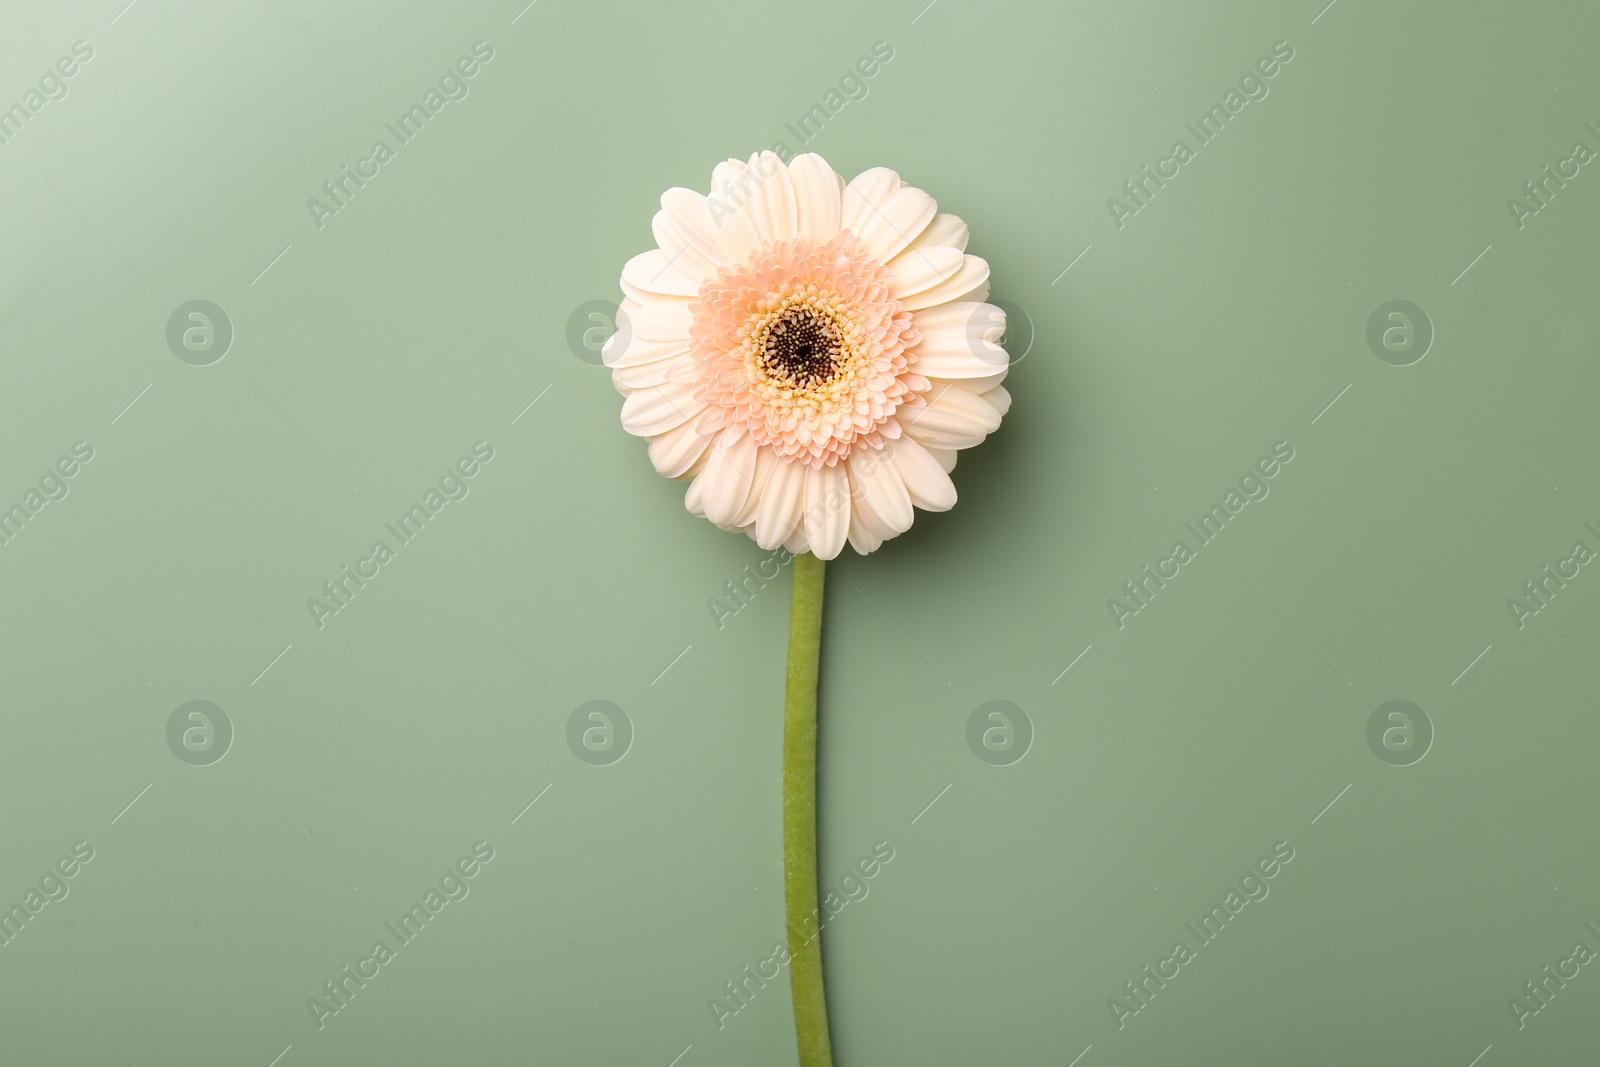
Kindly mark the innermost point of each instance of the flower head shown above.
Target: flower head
(810, 354)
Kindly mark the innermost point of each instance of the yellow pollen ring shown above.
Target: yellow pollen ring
(801, 348)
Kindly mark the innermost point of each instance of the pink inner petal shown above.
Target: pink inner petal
(803, 347)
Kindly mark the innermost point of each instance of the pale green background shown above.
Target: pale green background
(1221, 319)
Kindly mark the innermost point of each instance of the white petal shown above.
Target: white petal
(957, 399)
(867, 530)
(816, 191)
(617, 345)
(943, 230)
(684, 219)
(892, 225)
(636, 295)
(656, 271)
(862, 539)
(866, 191)
(972, 317)
(660, 408)
(778, 513)
(798, 542)
(679, 249)
(666, 318)
(751, 205)
(623, 349)
(875, 481)
(676, 451)
(639, 353)
(945, 456)
(953, 352)
(682, 368)
(766, 462)
(971, 385)
(976, 295)
(960, 285)
(775, 206)
(999, 398)
(918, 272)
(730, 469)
(952, 418)
(692, 501)
(925, 479)
(827, 509)
(697, 466)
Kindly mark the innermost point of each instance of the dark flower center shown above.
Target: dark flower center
(801, 347)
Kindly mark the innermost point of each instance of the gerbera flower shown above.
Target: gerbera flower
(809, 353)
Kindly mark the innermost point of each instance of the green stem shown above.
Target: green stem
(800, 814)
